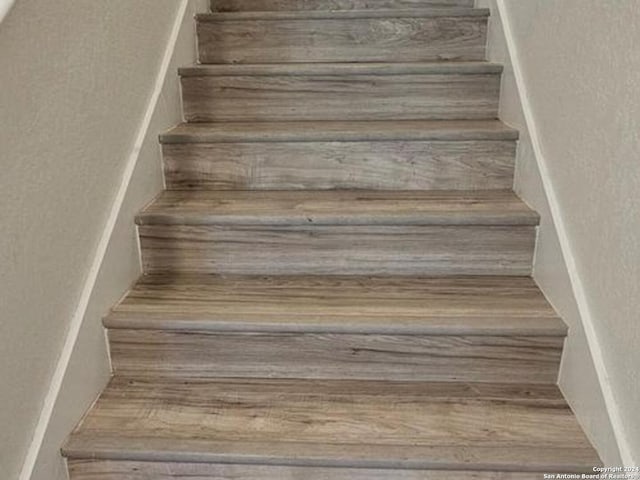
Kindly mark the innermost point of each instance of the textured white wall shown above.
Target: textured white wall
(579, 61)
(76, 80)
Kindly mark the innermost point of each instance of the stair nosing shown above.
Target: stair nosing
(255, 132)
(336, 456)
(539, 326)
(300, 208)
(324, 69)
(285, 15)
(168, 219)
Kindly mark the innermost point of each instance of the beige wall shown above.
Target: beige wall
(76, 79)
(580, 67)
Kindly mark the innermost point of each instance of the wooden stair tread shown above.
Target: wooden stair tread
(334, 304)
(262, 5)
(337, 207)
(339, 131)
(343, 14)
(370, 68)
(374, 424)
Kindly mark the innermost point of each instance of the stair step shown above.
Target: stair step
(338, 232)
(337, 131)
(338, 207)
(344, 424)
(266, 5)
(401, 155)
(430, 328)
(110, 470)
(291, 92)
(329, 304)
(411, 35)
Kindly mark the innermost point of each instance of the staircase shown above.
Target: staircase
(337, 278)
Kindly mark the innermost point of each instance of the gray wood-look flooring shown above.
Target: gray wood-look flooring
(338, 232)
(338, 250)
(338, 304)
(192, 353)
(342, 36)
(337, 280)
(390, 155)
(465, 328)
(341, 69)
(346, 94)
(329, 131)
(210, 207)
(127, 470)
(389, 165)
(335, 423)
(289, 5)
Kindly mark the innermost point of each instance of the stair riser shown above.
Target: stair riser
(342, 40)
(336, 356)
(123, 470)
(399, 165)
(290, 5)
(349, 97)
(346, 250)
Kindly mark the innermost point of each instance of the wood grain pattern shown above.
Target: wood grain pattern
(429, 12)
(336, 356)
(337, 37)
(266, 5)
(338, 232)
(399, 165)
(337, 282)
(236, 98)
(334, 423)
(493, 306)
(479, 328)
(338, 250)
(341, 69)
(379, 131)
(123, 470)
(338, 207)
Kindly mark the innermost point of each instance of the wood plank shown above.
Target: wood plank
(337, 69)
(325, 14)
(479, 329)
(335, 423)
(389, 458)
(316, 304)
(338, 232)
(340, 92)
(266, 5)
(123, 470)
(375, 36)
(392, 165)
(285, 98)
(408, 130)
(338, 250)
(187, 354)
(338, 207)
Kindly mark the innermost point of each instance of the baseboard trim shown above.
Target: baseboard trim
(98, 259)
(556, 213)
